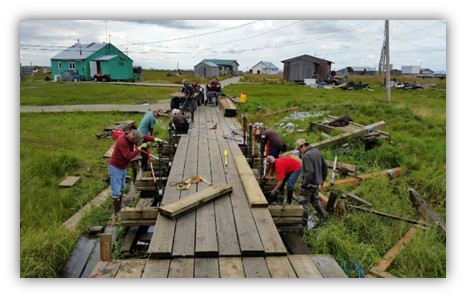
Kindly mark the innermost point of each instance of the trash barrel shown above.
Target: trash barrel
(243, 97)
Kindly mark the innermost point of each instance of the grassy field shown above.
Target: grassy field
(56, 145)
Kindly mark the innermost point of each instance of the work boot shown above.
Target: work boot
(289, 196)
(320, 209)
(117, 206)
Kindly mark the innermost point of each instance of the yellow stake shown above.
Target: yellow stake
(225, 153)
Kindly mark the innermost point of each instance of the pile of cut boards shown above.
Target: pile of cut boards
(227, 105)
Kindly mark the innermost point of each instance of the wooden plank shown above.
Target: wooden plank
(357, 200)
(430, 216)
(331, 202)
(162, 240)
(374, 273)
(247, 233)
(96, 271)
(139, 213)
(78, 260)
(181, 268)
(304, 266)
(344, 137)
(109, 269)
(226, 226)
(328, 267)
(270, 238)
(252, 189)
(280, 267)
(356, 180)
(184, 239)
(195, 200)
(70, 181)
(138, 222)
(391, 216)
(129, 239)
(342, 167)
(286, 210)
(206, 230)
(295, 244)
(109, 152)
(145, 202)
(156, 268)
(206, 268)
(231, 267)
(255, 267)
(73, 221)
(92, 261)
(280, 221)
(130, 269)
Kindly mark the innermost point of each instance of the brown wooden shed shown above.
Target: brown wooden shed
(306, 67)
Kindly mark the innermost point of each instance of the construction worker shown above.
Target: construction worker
(314, 174)
(126, 148)
(288, 170)
(190, 103)
(276, 143)
(146, 127)
(179, 121)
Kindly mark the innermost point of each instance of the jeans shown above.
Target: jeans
(117, 181)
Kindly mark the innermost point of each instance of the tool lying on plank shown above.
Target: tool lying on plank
(225, 153)
(183, 185)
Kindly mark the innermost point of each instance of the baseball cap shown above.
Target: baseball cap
(300, 142)
(270, 159)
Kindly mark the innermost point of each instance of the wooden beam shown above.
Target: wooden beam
(412, 221)
(341, 166)
(195, 200)
(252, 189)
(344, 137)
(357, 200)
(70, 181)
(430, 216)
(357, 179)
(385, 262)
(286, 210)
(136, 213)
(331, 202)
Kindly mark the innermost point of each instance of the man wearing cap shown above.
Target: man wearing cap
(288, 170)
(190, 103)
(314, 175)
(276, 143)
(126, 148)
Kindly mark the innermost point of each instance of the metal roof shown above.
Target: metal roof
(267, 64)
(79, 51)
(105, 58)
(208, 63)
(220, 61)
(307, 57)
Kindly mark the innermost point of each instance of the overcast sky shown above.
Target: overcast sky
(171, 43)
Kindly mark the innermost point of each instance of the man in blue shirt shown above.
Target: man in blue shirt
(146, 127)
(148, 122)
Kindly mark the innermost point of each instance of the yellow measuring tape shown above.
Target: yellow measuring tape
(183, 185)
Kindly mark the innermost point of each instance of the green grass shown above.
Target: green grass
(60, 144)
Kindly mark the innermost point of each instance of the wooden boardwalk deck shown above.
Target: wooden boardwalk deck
(225, 237)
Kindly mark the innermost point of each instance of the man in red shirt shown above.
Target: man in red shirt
(124, 151)
(288, 170)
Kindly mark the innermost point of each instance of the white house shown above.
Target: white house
(264, 67)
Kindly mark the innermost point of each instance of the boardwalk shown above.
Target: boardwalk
(224, 238)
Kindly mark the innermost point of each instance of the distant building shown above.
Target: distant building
(306, 67)
(264, 67)
(214, 67)
(410, 70)
(357, 71)
(83, 61)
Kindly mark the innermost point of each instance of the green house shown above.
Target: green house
(83, 61)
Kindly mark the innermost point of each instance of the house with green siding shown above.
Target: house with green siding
(83, 61)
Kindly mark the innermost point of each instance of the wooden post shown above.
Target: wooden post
(106, 246)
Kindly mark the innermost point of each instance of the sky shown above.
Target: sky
(180, 43)
(357, 42)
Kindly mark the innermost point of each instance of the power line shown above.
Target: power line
(420, 30)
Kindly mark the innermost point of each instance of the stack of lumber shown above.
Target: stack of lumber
(287, 217)
(227, 106)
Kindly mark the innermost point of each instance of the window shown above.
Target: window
(72, 65)
(59, 65)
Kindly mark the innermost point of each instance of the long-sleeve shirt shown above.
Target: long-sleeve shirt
(272, 137)
(124, 151)
(147, 123)
(314, 168)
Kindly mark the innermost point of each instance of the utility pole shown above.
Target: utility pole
(387, 60)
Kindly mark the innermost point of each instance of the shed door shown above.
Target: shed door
(93, 68)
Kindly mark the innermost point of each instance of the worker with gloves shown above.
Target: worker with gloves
(126, 148)
(147, 128)
(288, 170)
(314, 175)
